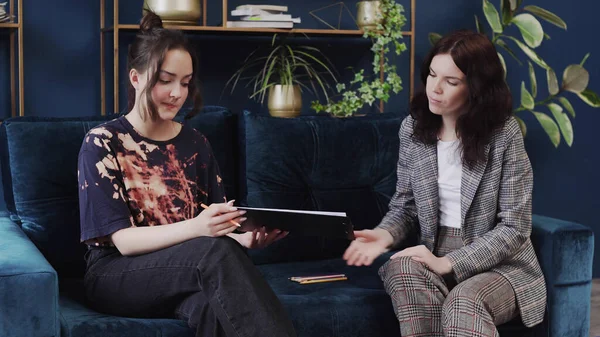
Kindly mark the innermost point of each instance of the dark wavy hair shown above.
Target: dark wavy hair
(489, 103)
(147, 53)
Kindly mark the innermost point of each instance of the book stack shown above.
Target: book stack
(3, 14)
(262, 16)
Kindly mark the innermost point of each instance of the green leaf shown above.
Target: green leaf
(552, 81)
(491, 14)
(504, 46)
(564, 123)
(584, 59)
(529, 52)
(546, 36)
(526, 99)
(549, 126)
(503, 63)
(547, 15)
(434, 38)
(506, 12)
(590, 97)
(513, 5)
(567, 105)
(533, 80)
(530, 28)
(479, 26)
(575, 78)
(522, 126)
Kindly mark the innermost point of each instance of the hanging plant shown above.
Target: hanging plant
(366, 90)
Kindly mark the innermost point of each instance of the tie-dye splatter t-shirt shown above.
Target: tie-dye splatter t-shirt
(127, 180)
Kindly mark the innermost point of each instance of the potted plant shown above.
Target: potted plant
(365, 89)
(282, 73)
(181, 12)
(368, 14)
(574, 80)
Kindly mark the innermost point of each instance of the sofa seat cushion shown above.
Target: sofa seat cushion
(77, 319)
(358, 306)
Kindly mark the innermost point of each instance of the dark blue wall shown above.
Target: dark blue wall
(62, 77)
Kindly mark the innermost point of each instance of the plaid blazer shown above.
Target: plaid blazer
(495, 212)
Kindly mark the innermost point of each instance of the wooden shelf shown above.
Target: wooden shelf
(10, 25)
(118, 28)
(15, 32)
(218, 29)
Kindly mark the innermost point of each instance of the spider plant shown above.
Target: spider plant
(284, 64)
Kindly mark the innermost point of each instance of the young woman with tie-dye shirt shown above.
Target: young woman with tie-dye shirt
(152, 250)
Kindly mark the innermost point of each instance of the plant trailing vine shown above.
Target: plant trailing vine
(363, 89)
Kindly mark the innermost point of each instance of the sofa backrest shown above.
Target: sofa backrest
(318, 163)
(39, 174)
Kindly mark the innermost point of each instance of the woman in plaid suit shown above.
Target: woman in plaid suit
(464, 186)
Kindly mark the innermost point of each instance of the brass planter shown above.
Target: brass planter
(285, 101)
(175, 12)
(369, 15)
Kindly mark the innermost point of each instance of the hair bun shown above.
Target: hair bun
(150, 21)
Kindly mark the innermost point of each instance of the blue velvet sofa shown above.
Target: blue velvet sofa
(310, 162)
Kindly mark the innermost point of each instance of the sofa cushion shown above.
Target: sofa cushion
(561, 247)
(358, 306)
(39, 172)
(318, 163)
(77, 319)
(219, 125)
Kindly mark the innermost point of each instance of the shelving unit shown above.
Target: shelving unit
(223, 29)
(16, 55)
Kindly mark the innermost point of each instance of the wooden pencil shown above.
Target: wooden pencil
(231, 221)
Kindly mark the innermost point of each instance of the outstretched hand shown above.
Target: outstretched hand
(259, 238)
(369, 244)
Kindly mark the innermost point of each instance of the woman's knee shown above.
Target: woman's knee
(460, 300)
(400, 267)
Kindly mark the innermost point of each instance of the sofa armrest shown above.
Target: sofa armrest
(565, 251)
(28, 286)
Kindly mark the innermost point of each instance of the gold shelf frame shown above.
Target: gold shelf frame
(16, 47)
(116, 28)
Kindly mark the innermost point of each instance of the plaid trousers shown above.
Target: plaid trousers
(427, 304)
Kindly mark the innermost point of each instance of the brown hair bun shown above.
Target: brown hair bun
(150, 21)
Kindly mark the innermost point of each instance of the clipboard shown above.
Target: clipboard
(299, 222)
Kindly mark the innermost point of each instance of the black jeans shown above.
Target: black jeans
(208, 282)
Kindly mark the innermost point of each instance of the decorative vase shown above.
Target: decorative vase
(369, 15)
(285, 101)
(175, 12)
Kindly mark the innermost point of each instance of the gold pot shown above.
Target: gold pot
(285, 101)
(175, 12)
(369, 15)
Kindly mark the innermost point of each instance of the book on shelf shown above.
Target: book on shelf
(260, 24)
(262, 16)
(272, 8)
(271, 18)
(299, 222)
(254, 11)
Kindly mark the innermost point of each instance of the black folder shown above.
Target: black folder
(299, 222)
